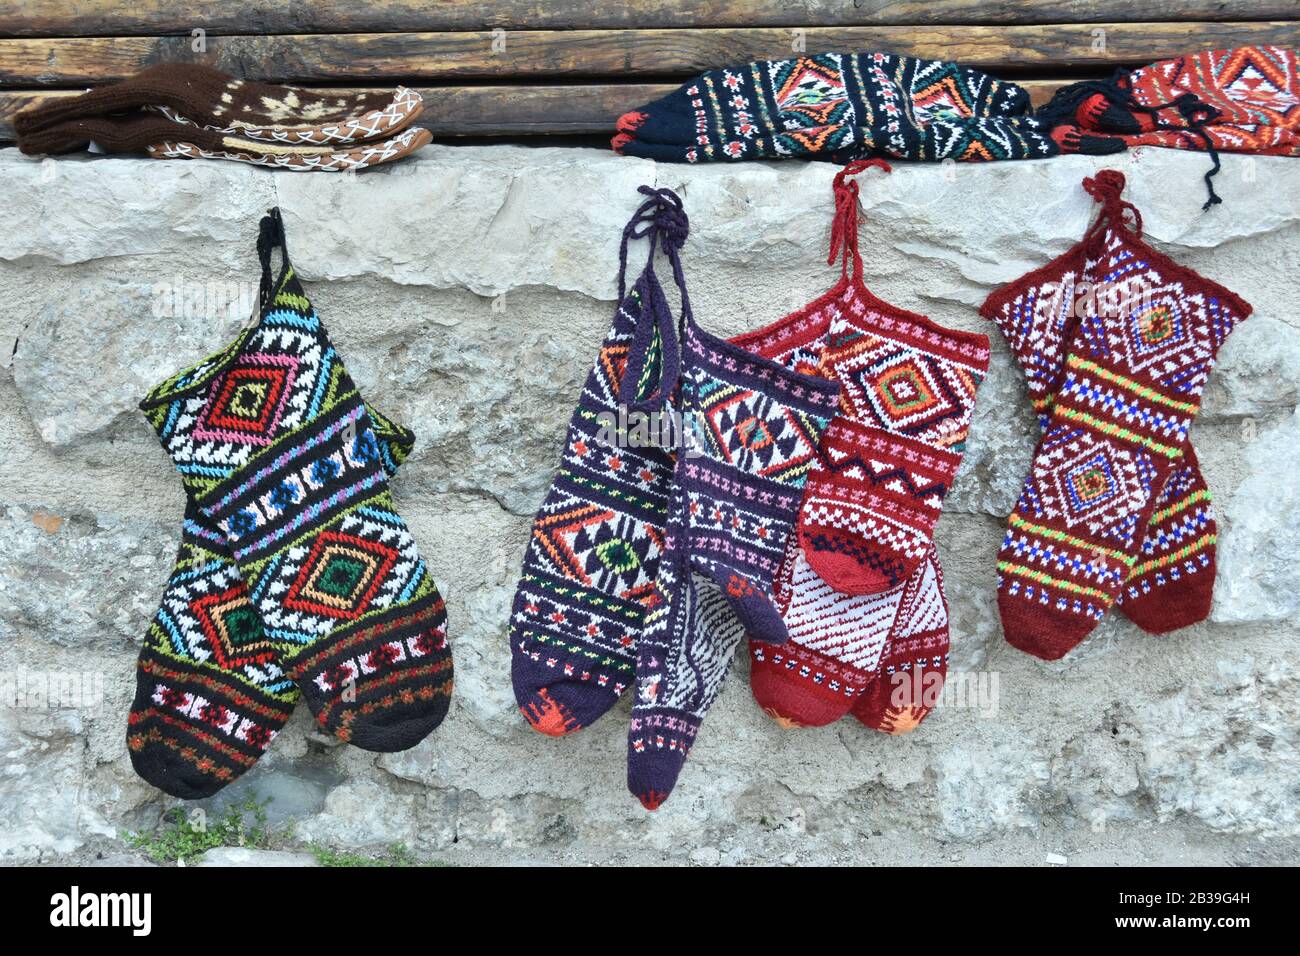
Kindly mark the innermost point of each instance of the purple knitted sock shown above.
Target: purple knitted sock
(753, 428)
(589, 571)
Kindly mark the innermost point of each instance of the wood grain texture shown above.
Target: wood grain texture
(154, 17)
(370, 57)
(499, 111)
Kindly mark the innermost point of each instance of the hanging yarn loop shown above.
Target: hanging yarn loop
(270, 234)
(844, 227)
(662, 212)
(662, 219)
(1106, 188)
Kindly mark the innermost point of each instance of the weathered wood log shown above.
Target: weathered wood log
(367, 58)
(152, 17)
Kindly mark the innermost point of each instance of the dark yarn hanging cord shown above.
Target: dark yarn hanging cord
(1062, 107)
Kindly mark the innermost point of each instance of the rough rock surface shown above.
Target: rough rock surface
(245, 856)
(467, 289)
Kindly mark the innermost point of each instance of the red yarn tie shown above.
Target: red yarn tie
(844, 228)
(1106, 188)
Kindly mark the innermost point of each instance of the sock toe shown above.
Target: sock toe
(158, 765)
(1040, 630)
(1172, 606)
(792, 689)
(652, 775)
(848, 574)
(559, 698)
(402, 725)
(756, 613)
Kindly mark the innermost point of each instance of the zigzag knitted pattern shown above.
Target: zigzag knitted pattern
(1172, 583)
(211, 693)
(1117, 432)
(839, 104)
(275, 447)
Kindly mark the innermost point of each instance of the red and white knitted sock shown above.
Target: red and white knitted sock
(914, 665)
(1172, 584)
(835, 644)
(1134, 375)
(839, 622)
(907, 394)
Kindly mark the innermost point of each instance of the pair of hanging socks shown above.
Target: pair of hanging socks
(1098, 496)
(278, 454)
(874, 494)
(1171, 585)
(211, 691)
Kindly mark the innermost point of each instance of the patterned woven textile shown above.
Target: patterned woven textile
(837, 106)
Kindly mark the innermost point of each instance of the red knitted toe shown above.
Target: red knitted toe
(1042, 630)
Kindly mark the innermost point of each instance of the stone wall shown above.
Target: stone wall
(468, 289)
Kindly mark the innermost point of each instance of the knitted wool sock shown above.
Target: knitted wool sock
(163, 138)
(834, 649)
(908, 392)
(1172, 584)
(210, 693)
(1117, 431)
(201, 96)
(594, 552)
(1241, 99)
(915, 662)
(319, 159)
(753, 428)
(275, 447)
(836, 105)
(838, 633)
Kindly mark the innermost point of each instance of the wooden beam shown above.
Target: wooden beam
(365, 58)
(50, 18)
(513, 111)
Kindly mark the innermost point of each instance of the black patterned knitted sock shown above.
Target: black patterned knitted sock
(210, 691)
(276, 448)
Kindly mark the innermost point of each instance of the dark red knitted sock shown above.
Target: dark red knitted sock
(1117, 432)
(1172, 583)
(907, 394)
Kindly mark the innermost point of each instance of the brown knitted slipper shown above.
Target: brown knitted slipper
(301, 158)
(148, 132)
(403, 106)
(211, 99)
